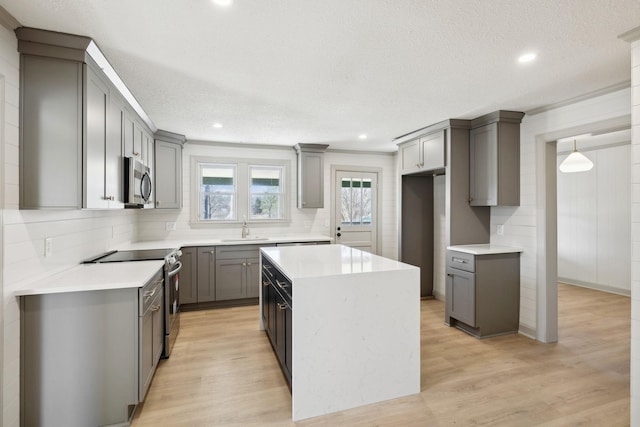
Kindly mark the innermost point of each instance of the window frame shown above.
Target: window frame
(243, 190)
(281, 194)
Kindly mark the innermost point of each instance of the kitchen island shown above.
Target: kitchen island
(353, 326)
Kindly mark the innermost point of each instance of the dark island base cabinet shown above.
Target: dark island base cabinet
(277, 315)
(483, 293)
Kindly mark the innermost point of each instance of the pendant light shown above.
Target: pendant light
(576, 162)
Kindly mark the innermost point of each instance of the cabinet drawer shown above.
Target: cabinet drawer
(461, 261)
(235, 252)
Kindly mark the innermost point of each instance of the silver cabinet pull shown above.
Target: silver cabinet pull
(281, 307)
(459, 260)
(281, 285)
(155, 308)
(244, 264)
(265, 284)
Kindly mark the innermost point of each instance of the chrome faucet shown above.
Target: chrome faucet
(245, 228)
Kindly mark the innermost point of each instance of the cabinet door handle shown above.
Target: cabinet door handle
(265, 284)
(248, 263)
(157, 202)
(244, 264)
(212, 252)
(281, 285)
(281, 307)
(108, 198)
(459, 260)
(135, 154)
(155, 308)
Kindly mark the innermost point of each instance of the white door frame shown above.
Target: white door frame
(547, 221)
(378, 172)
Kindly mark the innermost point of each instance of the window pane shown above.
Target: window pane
(266, 192)
(217, 192)
(356, 201)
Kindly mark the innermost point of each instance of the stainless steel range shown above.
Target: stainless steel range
(172, 266)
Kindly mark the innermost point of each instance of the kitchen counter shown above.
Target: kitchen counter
(355, 327)
(329, 260)
(94, 277)
(229, 241)
(484, 249)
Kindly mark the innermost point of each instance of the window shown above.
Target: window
(356, 201)
(218, 192)
(266, 192)
(232, 190)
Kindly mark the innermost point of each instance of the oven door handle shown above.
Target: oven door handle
(175, 270)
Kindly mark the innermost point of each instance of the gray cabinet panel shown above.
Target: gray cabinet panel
(97, 103)
(409, 157)
(206, 274)
(433, 151)
(461, 300)
(188, 285)
(168, 165)
(484, 165)
(310, 165)
(252, 278)
(229, 279)
(113, 161)
(494, 154)
(51, 133)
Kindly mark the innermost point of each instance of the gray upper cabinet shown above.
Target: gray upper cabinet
(168, 168)
(494, 162)
(73, 124)
(310, 175)
(426, 153)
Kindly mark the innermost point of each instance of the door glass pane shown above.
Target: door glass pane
(266, 194)
(355, 201)
(217, 192)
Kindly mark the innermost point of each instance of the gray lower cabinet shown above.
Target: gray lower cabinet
(188, 279)
(483, 293)
(237, 272)
(87, 358)
(206, 285)
(277, 314)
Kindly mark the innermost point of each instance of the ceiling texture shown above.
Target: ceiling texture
(288, 71)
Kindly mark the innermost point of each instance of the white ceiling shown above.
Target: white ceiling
(288, 71)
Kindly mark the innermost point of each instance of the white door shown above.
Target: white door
(356, 209)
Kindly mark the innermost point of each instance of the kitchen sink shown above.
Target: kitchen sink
(246, 239)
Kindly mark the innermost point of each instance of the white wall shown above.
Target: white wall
(151, 225)
(521, 223)
(594, 222)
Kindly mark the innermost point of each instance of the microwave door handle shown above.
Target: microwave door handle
(175, 270)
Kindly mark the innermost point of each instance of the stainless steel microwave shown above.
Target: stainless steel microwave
(137, 183)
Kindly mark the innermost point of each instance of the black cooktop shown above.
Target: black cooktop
(135, 255)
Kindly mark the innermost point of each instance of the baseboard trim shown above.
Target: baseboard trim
(595, 286)
(527, 331)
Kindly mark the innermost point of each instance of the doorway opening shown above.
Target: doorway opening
(547, 220)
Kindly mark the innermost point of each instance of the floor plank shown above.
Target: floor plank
(223, 372)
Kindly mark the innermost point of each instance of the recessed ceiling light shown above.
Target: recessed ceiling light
(223, 3)
(362, 136)
(217, 125)
(527, 57)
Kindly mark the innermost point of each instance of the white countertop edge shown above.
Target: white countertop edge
(94, 277)
(187, 242)
(484, 249)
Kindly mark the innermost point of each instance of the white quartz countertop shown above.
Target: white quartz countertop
(328, 260)
(95, 277)
(484, 249)
(251, 240)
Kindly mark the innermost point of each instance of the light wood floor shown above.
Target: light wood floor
(223, 372)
